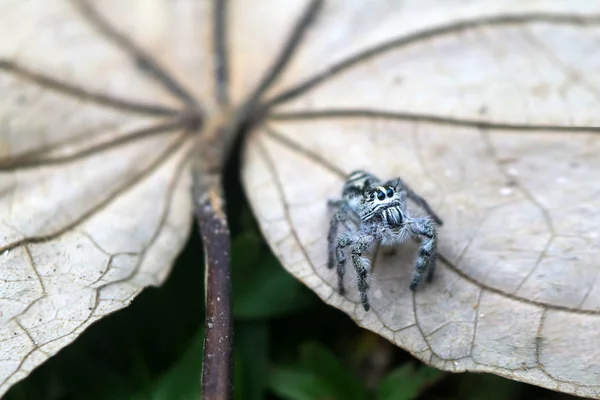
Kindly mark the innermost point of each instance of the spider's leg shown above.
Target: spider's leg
(431, 270)
(335, 203)
(427, 251)
(361, 244)
(344, 241)
(340, 217)
(421, 202)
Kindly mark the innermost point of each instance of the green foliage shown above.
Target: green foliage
(251, 360)
(182, 380)
(295, 383)
(324, 364)
(259, 279)
(489, 387)
(407, 382)
(320, 375)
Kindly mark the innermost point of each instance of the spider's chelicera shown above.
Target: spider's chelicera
(374, 213)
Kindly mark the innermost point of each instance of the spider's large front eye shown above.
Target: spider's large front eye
(380, 195)
(389, 192)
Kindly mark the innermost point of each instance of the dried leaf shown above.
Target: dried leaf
(486, 108)
(94, 182)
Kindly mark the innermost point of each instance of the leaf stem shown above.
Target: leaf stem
(214, 146)
(212, 153)
(217, 368)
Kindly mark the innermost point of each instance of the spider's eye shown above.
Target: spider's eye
(389, 192)
(372, 196)
(380, 195)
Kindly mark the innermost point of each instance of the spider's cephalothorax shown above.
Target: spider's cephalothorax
(374, 212)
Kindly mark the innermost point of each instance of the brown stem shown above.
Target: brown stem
(213, 151)
(217, 371)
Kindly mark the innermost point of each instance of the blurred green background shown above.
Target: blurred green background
(288, 343)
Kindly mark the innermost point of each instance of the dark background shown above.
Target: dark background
(288, 343)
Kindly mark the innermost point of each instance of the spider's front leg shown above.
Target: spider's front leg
(362, 243)
(359, 242)
(424, 227)
(343, 242)
(339, 217)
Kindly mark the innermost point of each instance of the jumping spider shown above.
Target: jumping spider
(374, 213)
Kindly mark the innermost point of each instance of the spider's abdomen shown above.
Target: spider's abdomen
(356, 183)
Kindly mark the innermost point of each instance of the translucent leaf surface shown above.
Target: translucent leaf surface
(94, 201)
(489, 110)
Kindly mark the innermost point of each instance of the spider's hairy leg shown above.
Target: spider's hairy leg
(344, 240)
(359, 242)
(421, 202)
(362, 272)
(335, 203)
(339, 217)
(431, 270)
(424, 227)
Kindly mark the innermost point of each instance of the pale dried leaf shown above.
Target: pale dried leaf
(79, 238)
(492, 124)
